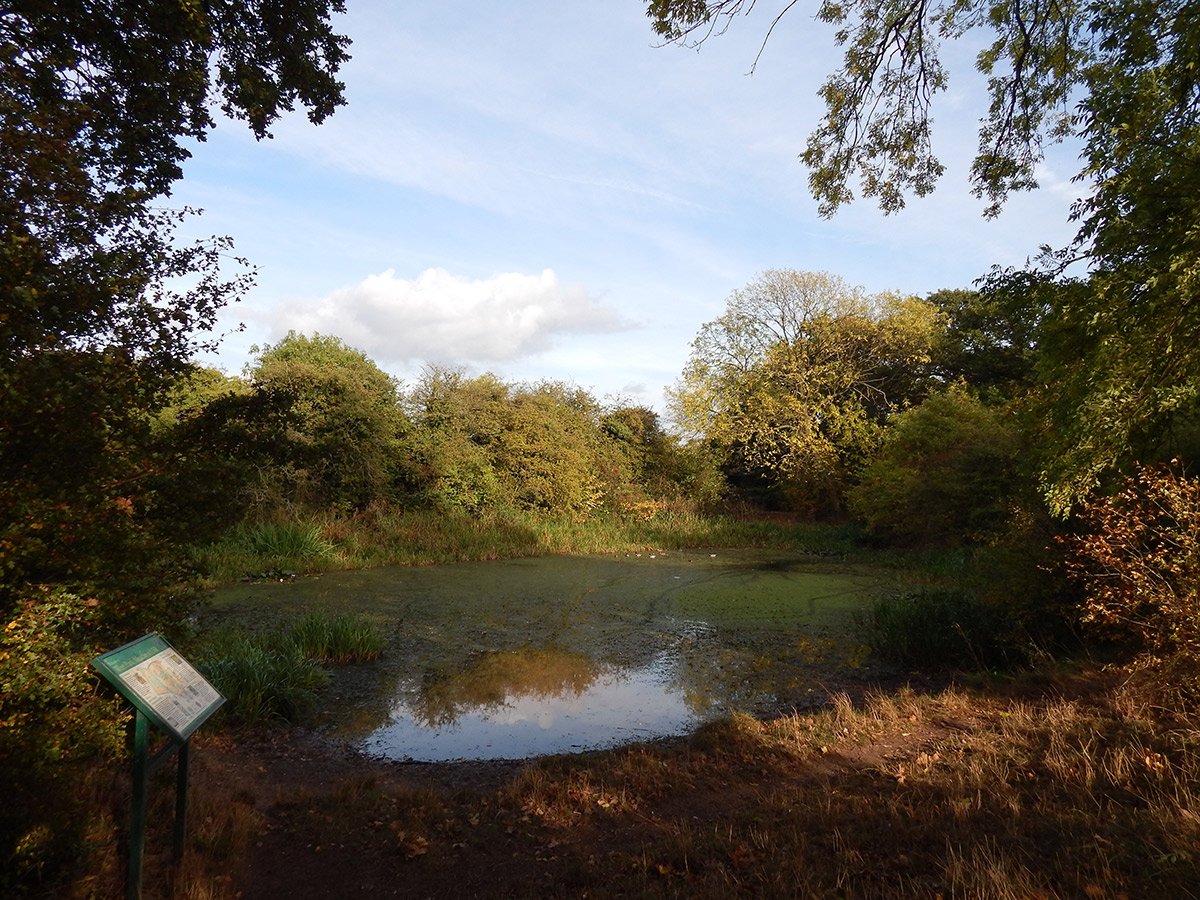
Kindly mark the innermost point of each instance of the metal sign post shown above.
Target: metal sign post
(166, 691)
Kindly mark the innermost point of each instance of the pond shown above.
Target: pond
(504, 660)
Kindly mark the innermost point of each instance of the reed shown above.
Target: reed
(383, 535)
(333, 638)
(262, 678)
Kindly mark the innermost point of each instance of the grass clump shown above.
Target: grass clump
(252, 548)
(264, 679)
(277, 675)
(336, 638)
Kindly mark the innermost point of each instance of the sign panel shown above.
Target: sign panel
(152, 676)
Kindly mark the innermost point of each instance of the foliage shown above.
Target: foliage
(937, 627)
(877, 104)
(282, 542)
(794, 382)
(342, 448)
(985, 341)
(487, 445)
(945, 472)
(655, 461)
(336, 638)
(191, 394)
(1118, 350)
(277, 675)
(102, 309)
(54, 730)
(80, 486)
(263, 679)
(1137, 557)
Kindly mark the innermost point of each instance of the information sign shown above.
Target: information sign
(152, 676)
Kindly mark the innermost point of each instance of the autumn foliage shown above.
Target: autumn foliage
(1138, 560)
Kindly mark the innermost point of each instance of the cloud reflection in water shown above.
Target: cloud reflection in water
(532, 702)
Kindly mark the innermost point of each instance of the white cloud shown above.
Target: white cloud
(442, 318)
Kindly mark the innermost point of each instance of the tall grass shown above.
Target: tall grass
(336, 638)
(382, 535)
(263, 679)
(282, 540)
(262, 548)
(937, 627)
(277, 675)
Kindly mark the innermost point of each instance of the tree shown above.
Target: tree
(486, 445)
(96, 101)
(877, 120)
(945, 473)
(1121, 77)
(796, 379)
(985, 341)
(101, 310)
(344, 446)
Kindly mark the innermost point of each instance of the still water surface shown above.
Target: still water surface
(520, 658)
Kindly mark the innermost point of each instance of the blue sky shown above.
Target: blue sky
(539, 191)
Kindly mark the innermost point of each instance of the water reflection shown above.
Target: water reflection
(496, 680)
(524, 657)
(529, 703)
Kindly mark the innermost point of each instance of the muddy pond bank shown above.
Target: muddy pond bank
(519, 658)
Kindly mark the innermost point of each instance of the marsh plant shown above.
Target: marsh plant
(277, 675)
(264, 678)
(336, 638)
(932, 627)
(271, 546)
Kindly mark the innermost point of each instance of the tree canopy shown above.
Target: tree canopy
(798, 375)
(101, 307)
(101, 311)
(1119, 347)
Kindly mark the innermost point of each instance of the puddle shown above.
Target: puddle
(613, 707)
(507, 660)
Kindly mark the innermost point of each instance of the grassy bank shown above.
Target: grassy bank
(386, 536)
(1047, 786)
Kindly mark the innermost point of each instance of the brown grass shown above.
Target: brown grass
(1079, 788)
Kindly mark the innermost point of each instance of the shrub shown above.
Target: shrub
(55, 731)
(1137, 558)
(937, 627)
(944, 473)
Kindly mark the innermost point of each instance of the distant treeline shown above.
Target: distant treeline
(315, 424)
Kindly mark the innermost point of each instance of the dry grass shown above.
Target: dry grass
(1077, 789)
(955, 794)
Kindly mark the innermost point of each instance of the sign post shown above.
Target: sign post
(166, 691)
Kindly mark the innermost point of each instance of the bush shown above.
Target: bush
(937, 627)
(1137, 558)
(944, 473)
(55, 731)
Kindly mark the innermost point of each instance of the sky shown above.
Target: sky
(542, 191)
